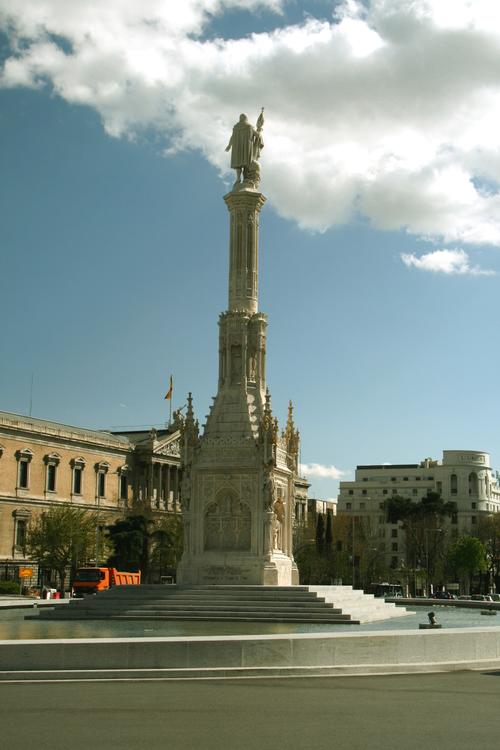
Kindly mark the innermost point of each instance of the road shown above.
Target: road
(405, 712)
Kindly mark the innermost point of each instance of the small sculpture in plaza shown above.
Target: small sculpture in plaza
(432, 624)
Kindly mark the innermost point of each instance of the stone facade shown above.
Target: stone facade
(43, 463)
(240, 483)
(464, 477)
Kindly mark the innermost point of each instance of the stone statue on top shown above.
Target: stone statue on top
(245, 144)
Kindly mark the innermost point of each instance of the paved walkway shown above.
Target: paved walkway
(410, 712)
(23, 602)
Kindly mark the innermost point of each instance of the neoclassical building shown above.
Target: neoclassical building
(462, 476)
(43, 463)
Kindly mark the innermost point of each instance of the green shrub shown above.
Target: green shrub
(9, 587)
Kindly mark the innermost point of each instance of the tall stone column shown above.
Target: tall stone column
(244, 209)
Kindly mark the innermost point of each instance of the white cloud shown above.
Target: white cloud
(321, 472)
(390, 110)
(451, 262)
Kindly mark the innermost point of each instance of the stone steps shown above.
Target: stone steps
(323, 604)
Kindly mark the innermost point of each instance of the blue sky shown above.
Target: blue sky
(379, 239)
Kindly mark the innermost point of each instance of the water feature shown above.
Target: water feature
(13, 626)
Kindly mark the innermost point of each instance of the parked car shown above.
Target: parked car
(481, 598)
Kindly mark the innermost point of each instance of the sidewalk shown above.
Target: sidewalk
(23, 602)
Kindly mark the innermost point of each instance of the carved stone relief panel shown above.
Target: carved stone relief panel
(227, 524)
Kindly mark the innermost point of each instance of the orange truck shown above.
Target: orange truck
(92, 580)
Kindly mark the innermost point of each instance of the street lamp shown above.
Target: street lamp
(426, 536)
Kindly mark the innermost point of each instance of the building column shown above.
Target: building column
(159, 496)
(167, 499)
(176, 487)
(151, 484)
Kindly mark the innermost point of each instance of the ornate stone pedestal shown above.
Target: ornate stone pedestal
(238, 487)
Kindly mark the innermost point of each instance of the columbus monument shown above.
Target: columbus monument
(237, 490)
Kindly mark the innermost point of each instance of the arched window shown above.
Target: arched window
(453, 484)
(473, 484)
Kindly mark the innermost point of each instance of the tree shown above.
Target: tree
(467, 556)
(142, 542)
(425, 539)
(320, 534)
(489, 533)
(329, 532)
(129, 539)
(60, 537)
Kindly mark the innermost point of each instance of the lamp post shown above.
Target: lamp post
(427, 572)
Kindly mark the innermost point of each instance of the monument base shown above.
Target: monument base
(238, 569)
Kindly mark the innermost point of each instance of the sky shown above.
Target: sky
(380, 237)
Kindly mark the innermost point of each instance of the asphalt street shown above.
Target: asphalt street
(425, 712)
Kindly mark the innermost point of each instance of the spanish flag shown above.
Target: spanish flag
(171, 389)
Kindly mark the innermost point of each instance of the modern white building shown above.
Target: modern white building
(463, 476)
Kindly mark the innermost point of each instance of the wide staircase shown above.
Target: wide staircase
(321, 604)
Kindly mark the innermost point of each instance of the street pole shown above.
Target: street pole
(353, 557)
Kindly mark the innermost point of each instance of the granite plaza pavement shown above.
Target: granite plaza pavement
(459, 711)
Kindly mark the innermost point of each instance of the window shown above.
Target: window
(473, 484)
(348, 506)
(394, 492)
(473, 505)
(23, 474)
(394, 533)
(362, 506)
(454, 518)
(393, 479)
(414, 492)
(381, 506)
(78, 465)
(351, 492)
(394, 547)
(405, 479)
(417, 479)
(384, 492)
(394, 562)
(473, 519)
(101, 484)
(364, 492)
(23, 469)
(21, 519)
(453, 484)
(124, 491)
(101, 470)
(51, 462)
(21, 527)
(51, 478)
(77, 480)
